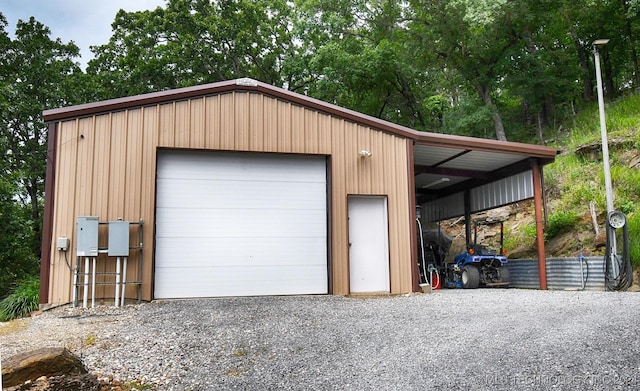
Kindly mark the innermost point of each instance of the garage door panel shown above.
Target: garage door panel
(255, 195)
(233, 224)
(240, 282)
(205, 223)
(241, 252)
(192, 165)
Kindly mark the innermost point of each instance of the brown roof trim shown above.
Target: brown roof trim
(486, 145)
(421, 138)
(47, 223)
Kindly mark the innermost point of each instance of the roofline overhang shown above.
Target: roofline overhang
(547, 154)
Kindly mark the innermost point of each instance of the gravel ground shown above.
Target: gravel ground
(451, 339)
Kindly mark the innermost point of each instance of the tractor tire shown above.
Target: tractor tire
(504, 274)
(470, 277)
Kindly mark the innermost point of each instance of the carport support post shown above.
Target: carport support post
(537, 199)
(467, 218)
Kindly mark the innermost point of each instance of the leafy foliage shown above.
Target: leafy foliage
(22, 301)
(36, 73)
(359, 55)
(192, 42)
(633, 222)
(560, 221)
(17, 259)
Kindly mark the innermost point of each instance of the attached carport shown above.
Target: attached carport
(458, 176)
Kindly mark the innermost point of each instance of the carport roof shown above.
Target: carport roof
(442, 162)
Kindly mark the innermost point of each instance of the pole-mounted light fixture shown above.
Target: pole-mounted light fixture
(603, 125)
(600, 42)
(611, 238)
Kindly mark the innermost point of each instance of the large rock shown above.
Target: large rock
(37, 363)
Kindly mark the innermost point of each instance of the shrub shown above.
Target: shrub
(633, 221)
(23, 300)
(560, 222)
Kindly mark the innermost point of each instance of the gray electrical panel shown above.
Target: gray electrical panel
(87, 236)
(118, 239)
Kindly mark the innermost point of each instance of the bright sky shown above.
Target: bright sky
(85, 22)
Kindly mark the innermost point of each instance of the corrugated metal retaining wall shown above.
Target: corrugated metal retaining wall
(562, 273)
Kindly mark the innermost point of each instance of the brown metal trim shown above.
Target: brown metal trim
(47, 219)
(413, 230)
(451, 172)
(450, 158)
(537, 197)
(485, 145)
(329, 226)
(423, 138)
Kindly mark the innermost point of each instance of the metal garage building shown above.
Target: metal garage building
(249, 189)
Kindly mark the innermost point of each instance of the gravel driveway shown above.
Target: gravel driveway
(450, 339)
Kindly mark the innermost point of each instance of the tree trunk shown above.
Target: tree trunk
(609, 88)
(584, 65)
(32, 189)
(485, 94)
(540, 132)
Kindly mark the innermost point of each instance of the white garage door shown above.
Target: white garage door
(240, 224)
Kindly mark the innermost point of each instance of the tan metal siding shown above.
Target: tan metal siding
(298, 134)
(340, 232)
(227, 122)
(256, 119)
(147, 208)
(110, 172)
(60, 277)
(212, 122)
(133, 187)
(182, 124)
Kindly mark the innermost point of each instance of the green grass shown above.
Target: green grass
(523, 237)
(633, 221)
(560, 222)
(621, 116)
(23, 300)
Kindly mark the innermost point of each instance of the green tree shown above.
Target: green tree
(358, 54)
(17, 259)
(193, 42)
(35, 74)
(476, 38)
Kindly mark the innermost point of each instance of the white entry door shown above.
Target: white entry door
(368, 244)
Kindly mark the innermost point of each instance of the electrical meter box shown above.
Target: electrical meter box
(118, 239)
(87, 236)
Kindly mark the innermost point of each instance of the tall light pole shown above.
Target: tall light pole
(603, 126)
(611, 237)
